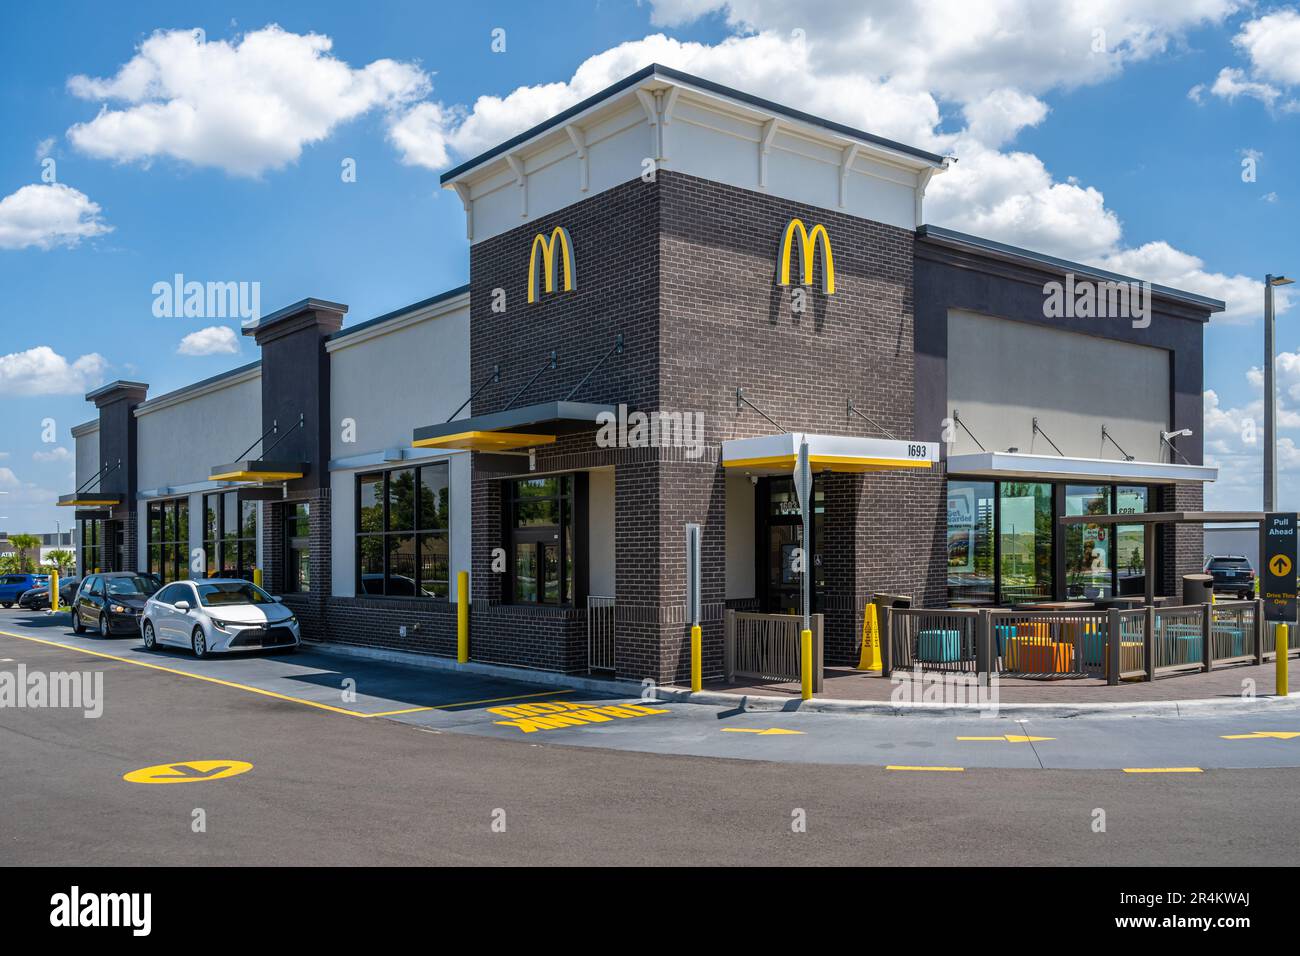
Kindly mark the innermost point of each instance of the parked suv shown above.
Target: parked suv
(1232, 573)
(12, 586)
(111, 603)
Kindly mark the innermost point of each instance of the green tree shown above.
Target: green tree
(65, 561)
(22, 543)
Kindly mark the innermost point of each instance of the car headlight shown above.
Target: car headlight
(119, 609)
(221, 625)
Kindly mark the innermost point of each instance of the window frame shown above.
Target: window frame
(179, 547)
(569, 537)
(419, 535)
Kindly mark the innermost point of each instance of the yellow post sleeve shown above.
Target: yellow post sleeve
(54, 591)
(697, 659)
(257, 576)
(462, 617)
(1283, 645)
(806, 663)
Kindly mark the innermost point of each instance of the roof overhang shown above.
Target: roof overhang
(777, 454)
(89, 499)
(995, 464)
(258, 472)
(514, 428)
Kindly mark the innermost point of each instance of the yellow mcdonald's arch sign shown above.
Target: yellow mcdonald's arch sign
(807, 252)
(560, 237)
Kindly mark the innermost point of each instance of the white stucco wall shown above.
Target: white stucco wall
(740, 537)
(600, 518)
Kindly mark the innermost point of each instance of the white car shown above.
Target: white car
(217, 615)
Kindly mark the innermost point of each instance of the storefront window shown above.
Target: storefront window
(1130, 542)
(297, 543)
(92, 546)
(169, 539)
(1089, 548)
(403, 533)
(1025, 540)
(230, 535)
(970, 542)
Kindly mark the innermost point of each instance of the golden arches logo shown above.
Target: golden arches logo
(550, 263)
(807, 253)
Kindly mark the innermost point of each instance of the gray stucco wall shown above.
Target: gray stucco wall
(1001, 374)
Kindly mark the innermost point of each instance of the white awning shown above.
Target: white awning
(997, 464)
(777, 454)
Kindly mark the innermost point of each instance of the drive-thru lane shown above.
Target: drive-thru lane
(312, 786)
(516, 710)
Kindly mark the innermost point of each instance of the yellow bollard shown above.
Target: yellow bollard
(805, 663)
(54, 592)
(697, 659)
(462, 617)
(1282, 646)
(870, 659)
(257, 576)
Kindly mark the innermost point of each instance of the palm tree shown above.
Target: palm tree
(63, 560)
(22, 543)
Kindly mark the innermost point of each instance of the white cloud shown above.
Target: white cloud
(1272, 45)
(44, 148)
(213, 340)
(1161, 263)
(48, 215)
(42, 371)
(57, 453)
(245, 107)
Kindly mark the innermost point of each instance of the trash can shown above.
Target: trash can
(1198, 588)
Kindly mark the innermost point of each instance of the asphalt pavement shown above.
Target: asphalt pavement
(317, 759)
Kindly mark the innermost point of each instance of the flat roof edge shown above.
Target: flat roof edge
(399, 313)
(168, 397)
(952, 237)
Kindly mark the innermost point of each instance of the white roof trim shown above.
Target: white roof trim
(189, 393)
(404, 320)
(827, 451)
(994, 464)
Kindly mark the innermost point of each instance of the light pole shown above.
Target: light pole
(1270, 395)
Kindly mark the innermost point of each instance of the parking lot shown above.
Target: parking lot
(321, 759)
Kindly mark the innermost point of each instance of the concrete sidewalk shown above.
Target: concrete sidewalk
(846, 683)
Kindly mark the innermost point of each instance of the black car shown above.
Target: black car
(38, 598)
(1232, 573)
(111, 603)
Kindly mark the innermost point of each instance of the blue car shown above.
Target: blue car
(12, 586)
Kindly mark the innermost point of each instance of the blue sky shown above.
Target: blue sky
(1128, 156)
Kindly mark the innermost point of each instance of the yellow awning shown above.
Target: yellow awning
(245, 475)
(88, 501)
(778, 454)
(484, 441)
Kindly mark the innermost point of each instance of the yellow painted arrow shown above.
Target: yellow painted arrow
(762, 733)
(1263, 734)
(1010, 738)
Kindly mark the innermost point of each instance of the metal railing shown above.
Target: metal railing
(937, 640)
(600, 633)
(766, 647)
(1110, 644)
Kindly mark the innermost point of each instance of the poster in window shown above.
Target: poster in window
(961, 529)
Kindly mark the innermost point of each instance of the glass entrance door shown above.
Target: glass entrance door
(780, 540)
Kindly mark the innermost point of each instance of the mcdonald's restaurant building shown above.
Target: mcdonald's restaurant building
(672, 285)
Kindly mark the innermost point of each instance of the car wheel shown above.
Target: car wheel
(77, 626)
(199, 643)
(101, 626)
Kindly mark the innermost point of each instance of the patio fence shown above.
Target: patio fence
(1149, 642)
(766, 646)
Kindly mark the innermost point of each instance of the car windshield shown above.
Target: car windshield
(129, 587)
(241, 592)
(1229, 563)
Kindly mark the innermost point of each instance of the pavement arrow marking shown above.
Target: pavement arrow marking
(188, 771)
(1010, 738)
(769, 731)
(1263, 735)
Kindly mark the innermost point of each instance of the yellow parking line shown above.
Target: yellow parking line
(940, 769)
(1163, 770)
(271, 693)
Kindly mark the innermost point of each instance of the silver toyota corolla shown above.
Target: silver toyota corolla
(217, 615)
